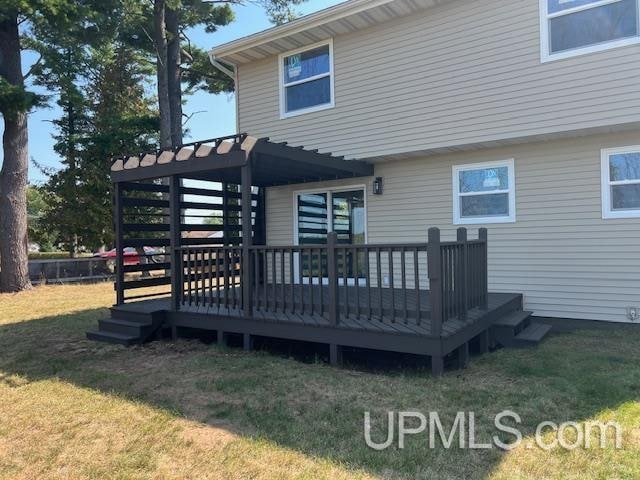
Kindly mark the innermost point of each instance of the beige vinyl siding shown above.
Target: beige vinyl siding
(560, 253)
(462, 73)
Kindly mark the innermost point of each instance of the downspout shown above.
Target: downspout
(233, 74)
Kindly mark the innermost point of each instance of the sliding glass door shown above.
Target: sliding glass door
(339, 211)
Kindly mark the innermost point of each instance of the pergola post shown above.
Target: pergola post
(118, 214)
(175, 241)
(246, 280)
(225, 214)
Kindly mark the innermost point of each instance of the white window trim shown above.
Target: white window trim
(511, 218)
(607, 211)
(545, 53)
(283, 113)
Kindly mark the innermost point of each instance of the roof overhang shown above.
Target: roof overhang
(220, 159)
(346, 17)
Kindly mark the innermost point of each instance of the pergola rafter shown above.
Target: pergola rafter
(220, 159)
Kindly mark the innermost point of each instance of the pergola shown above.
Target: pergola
(241, 160)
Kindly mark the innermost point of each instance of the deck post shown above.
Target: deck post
(332, 274)
(335, 354)
(434, 262)
(437, 365)
(463, 355)
(247, 230)
(118, 215)
(221, 338)
(483, 341)
(247, 342)
(463, 273)
(482, 235)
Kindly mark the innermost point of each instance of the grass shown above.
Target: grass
(70, 408)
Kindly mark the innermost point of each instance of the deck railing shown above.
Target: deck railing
(417, 283)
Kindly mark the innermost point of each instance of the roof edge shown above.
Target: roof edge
(305, 22)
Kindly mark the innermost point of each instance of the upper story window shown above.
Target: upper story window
(306, 80)
(484, 193)
(575, 27)
(621, 182)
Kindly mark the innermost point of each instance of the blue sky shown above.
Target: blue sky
(218, 118)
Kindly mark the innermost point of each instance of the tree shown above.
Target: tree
(179, 62)
(65, 57)
(99, 85)
(15, 102)
(122, 120)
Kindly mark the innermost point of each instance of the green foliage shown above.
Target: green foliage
(107, 112)
(121, 120)
(213, 220)
(37, 207)
(280, 11)
(36, 16)
(15, 98)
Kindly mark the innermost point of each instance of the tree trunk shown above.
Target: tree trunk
(160, 40)
(72, 164)
(14, 260)
(174, 72)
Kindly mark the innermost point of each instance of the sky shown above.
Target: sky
(217, 117)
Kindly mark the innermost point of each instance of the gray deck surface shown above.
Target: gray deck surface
(279, 308)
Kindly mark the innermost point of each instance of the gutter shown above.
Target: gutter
(233, 74)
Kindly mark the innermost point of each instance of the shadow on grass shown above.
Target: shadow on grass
(318, 410)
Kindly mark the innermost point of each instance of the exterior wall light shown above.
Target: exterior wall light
(377, 186)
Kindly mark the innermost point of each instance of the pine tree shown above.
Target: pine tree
(18, 19)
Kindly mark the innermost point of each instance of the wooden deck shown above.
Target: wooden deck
(238, 283)
(363, 331)
(360, 309)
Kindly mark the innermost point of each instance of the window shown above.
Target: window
(621, 182)
(484, 193)
(306, 80)
(574, 27)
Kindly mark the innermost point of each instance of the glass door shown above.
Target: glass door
(348, 219)
(339, 211)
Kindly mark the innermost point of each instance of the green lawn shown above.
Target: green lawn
(70, 408)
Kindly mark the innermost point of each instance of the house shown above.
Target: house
(519, 117)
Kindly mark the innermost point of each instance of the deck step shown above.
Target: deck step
(112, 337)
(531, 335)
(125, 327)
(133, 316)
(513, 320)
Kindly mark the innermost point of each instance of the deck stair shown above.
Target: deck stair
(517, 330)
(127, 326)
